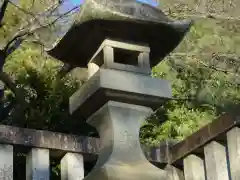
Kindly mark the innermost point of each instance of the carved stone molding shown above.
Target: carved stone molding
(121, 156)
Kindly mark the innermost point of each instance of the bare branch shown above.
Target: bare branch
(21, 9)
(215, 68)
(3, 10)
(216, 9)
(34, 28)
(32, 4)
(26, 12)
(12, 41)
(209, 15)
(65, 13)
(13, 46)
(7, 109)
(211, 57)
(35, 18)
(197, 54)
(52, 9)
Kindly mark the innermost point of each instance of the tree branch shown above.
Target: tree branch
(17, 92)
(9, 50)
(207, 15)
(202, 9)
(7, 109)
(219, 58)
(32, 30)
(26, 12)
(3, 10)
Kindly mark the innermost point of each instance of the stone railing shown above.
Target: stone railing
(210, 153)
(40, 146)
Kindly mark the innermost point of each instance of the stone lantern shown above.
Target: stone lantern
(119, 42)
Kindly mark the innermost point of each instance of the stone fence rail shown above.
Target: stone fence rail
(211, 152)
(40, 145)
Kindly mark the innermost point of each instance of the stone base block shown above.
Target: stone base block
(120, 86)
(127, 172)
(121, 156)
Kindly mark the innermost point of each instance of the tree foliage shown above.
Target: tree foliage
(44, 91)
(203, 70)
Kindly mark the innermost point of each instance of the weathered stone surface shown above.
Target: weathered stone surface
(121, 155)
(233, 142)
(172, 153)
(216, 161)
(48, 140)
(38, 164)
(174, 173)
(194, 168)
(89, 145)
(65, 142)
(159, 155)
(120, 55)
(6, 162)
(72, 167)
(126, 20)
(80, 74)
(118, 86)
(195, 142)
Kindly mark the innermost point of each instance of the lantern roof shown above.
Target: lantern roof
(126, 20)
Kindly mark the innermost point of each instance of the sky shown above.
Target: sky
(65, 23)
(154, 3)
(69, 4)
(150, 2)
(79, 2)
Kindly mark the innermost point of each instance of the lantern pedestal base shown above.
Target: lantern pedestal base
(121, 156)
(127, 172)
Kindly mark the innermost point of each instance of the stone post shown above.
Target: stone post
(116, 99)
(194, 168)
(216, 161)
(118, 125)
(233, 142)
(6, 162)
(38, 164)
(174, 173)
(72, 167)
